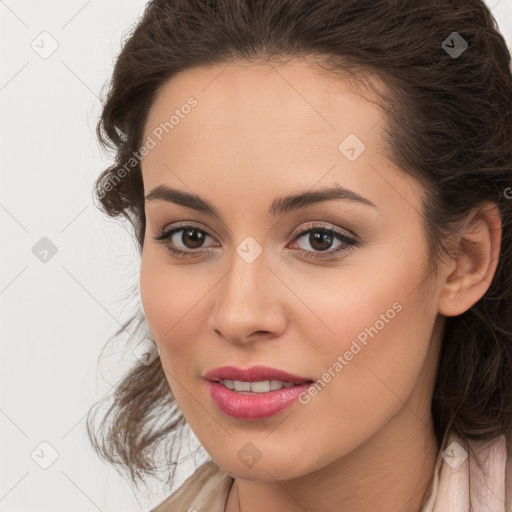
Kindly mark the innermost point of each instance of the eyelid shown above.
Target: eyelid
(185, 224)
(311, 225)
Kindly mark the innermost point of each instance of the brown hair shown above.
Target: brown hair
(448, 123)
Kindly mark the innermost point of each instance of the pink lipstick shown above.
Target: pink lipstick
(254, 393)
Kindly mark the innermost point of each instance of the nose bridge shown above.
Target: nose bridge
(243, 302)
(246, 280)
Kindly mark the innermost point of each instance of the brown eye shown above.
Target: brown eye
(184, 241)
(192, 238)
(320, 239)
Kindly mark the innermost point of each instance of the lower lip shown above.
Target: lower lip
(254, 406)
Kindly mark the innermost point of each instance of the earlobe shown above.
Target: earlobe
(469, 274)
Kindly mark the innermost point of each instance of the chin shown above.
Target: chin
(263, 470)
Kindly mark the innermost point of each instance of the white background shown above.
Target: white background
(57, 315)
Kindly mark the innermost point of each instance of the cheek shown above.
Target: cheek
(172, 299)
(379, 302)
(160, 292)
(155, 298)
(168, 306)
(374, 328)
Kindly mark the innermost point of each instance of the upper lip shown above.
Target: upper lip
(253, 374)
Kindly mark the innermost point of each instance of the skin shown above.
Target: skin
(365, 441)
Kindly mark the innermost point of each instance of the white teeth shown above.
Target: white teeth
(260, 387)
(242, 386)
(275, 384)
(228, 383)
(263, 386)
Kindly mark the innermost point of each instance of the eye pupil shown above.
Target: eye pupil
(197, 239)
(320, 236)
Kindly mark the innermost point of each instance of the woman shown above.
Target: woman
(321, 193)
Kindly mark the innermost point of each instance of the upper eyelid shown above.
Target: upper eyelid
(184, 225)
(312, 225)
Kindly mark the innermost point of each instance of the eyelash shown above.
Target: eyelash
(348, 243)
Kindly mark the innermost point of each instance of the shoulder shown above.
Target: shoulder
(482, 477)
(206, 490)
(492, 486)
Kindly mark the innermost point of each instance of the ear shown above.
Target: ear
(470, 272)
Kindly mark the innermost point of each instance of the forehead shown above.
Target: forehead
(265, 100)
(265, 126)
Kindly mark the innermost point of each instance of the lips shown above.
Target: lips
(253, 374)
(228, 389)
(257, 406)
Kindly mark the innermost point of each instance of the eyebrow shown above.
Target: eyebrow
(279, 206)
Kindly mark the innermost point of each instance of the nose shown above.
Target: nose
(248, 303)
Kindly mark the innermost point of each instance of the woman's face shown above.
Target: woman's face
(346, 306)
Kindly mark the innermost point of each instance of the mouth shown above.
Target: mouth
(262, 386)
(256, 379)
(256, 392)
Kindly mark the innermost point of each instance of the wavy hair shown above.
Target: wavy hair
(448, 123)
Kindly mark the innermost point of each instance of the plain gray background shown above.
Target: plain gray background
(59, 308)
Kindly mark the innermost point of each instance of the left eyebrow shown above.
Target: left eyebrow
(303, 199)
(279, 206)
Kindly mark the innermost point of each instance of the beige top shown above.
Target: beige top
(456, 476)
